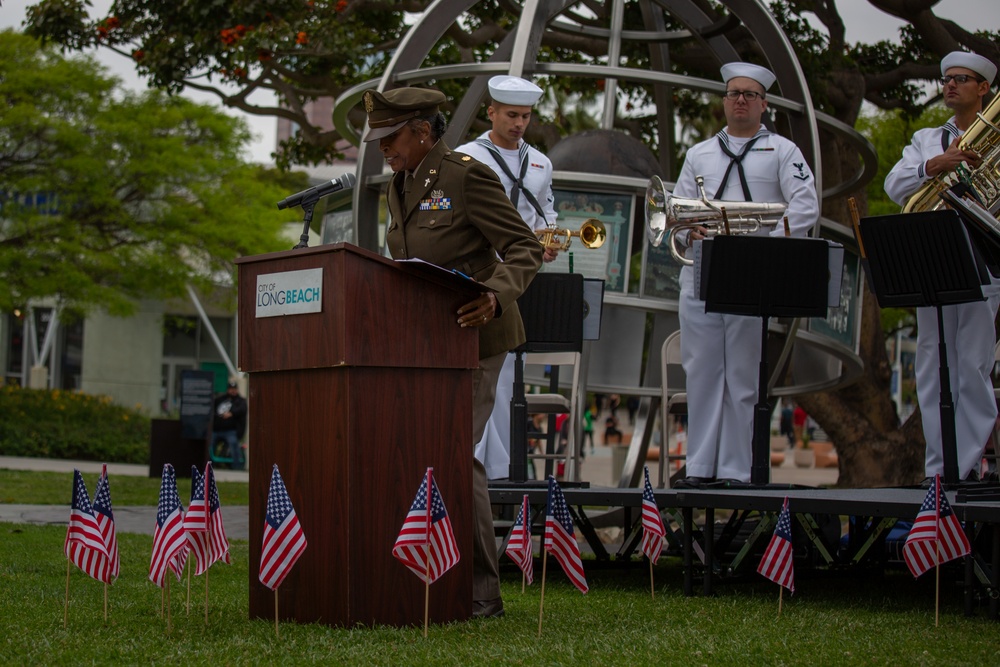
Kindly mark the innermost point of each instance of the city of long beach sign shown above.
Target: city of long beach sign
(289, 293)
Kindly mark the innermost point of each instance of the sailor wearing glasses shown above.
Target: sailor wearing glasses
(743, 162)
(968, 327)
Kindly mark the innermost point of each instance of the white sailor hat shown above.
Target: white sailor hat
(761, 75)
(514, 90)
(984, 67)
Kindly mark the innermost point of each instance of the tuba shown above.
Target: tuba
(592, 235)
(983, 137)
(667, 214)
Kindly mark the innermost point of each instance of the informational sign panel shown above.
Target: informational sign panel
(196, 403)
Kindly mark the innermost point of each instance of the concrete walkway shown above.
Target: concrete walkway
(597, 469)
(134, 519)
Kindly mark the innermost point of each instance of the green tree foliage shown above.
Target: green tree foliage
(300, 50)
(890, 132)
(109, 196)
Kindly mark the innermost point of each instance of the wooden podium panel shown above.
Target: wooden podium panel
(353, 431)
(375, 313)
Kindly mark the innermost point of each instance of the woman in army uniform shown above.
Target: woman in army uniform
(448, 209)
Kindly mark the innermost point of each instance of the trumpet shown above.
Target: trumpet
(592, 235)
(667, 215)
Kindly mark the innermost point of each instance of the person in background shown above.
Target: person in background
(449, 209)
(230, 422)
(968, 327)
(721, 352)
(588, 428)
(526, 175)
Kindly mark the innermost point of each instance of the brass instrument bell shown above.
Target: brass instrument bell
(591, 233)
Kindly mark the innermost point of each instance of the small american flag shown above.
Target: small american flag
(426, 543)
(653, 531)
(519, 547)
(206, 535)
(169, 541)
(284, 540)
(560, 540)
(930, 536)
(106, 522)
(195, 525)
(218, 544)
(84, 545)
(777, 563)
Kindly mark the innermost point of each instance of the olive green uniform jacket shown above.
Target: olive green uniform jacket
(458, 216)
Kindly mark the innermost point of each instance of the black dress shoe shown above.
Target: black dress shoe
(693, 482)
(730, 483)
(487, 608)
(926, 482)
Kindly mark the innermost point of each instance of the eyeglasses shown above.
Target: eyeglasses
(959, 78)
(748, 95)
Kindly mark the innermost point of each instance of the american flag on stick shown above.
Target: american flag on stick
(284, 540)
(653, 532)
(169, 541)
(937, 535)
(426, 543)
(206, 535)
(218, 544)
(519, 547)
(777, 563)
(560, 540)
(84, 545)
(106, 522)
(195, 524)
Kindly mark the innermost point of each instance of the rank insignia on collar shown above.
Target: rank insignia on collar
(466, 158)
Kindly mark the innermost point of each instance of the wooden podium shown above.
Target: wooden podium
(354, 403)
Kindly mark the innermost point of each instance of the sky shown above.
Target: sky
(864, 24)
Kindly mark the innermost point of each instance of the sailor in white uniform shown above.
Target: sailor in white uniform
(721, 352)
(968, 327)
(526, 175)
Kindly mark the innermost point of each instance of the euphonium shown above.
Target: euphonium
(667, 214)
(983, 137)
(592, 235)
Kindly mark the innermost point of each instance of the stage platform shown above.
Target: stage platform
(834, 529)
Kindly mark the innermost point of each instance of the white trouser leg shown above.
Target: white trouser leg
(970, 341)
(720, 354)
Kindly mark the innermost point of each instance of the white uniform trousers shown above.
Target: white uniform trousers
(969, 337)
(493, 450)
(721, 356)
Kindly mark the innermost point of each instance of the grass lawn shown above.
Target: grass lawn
(829, 621)
(56, 488)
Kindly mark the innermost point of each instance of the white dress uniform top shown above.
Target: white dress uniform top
(494, 448)
(968, 330)
(720, 352)
(537, 180)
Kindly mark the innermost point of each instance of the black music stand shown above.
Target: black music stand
(764, 277)
(552, 311)
(920, 260)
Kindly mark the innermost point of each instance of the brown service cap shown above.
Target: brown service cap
(391, 110)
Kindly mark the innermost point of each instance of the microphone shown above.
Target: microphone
(315, 193)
